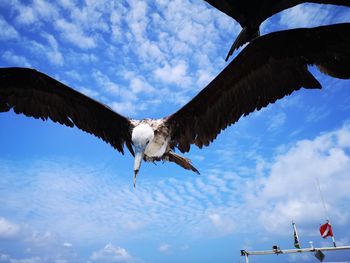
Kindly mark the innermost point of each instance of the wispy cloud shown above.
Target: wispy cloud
(53, 53)
(74, 34)
(31, 246)
(112, 254)
(164, 248)
(8, 259)
(174, 74)
(7, 31)
(8, 229)
(277, 121)
(290, 191)
(286, 192)
(34, 12)
(15, 59)
(307, 15)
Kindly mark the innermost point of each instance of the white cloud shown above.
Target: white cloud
(211, 205)
(37, 11)
(137, 84)
(204, 78)
(307, 15)
(89, 92)
(317, 113)
(126, 108)
(42, 247)
(67, 244)
(15, 59)
(290, 191)
(164, 248)
(111, 254)
(150, 50)
(137, 19)
(7, 31)
(43, 50)
(25, 15)
(45, 9)
(75, 75)
(90, 15)
(4, 258)
(105, 83)
(74, 34)
(222, 226)
(8, 229)
(176, 73)
(53, 54)
(277, 121)
(215, 219)
(115, 20)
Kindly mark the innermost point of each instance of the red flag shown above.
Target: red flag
(326, 230)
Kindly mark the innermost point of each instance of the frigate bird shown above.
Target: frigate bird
(251, 13)
(268, 69)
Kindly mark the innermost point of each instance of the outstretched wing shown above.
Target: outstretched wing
(234, 9)
(251, 13)
(37, 95)
(269, 68)
(254, 12)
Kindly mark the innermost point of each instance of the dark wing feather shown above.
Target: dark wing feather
(268, 69)
(251, 13)
(234, 9)
(37, 95)
(254, 12)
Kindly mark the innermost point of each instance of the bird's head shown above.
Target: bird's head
(141, 136)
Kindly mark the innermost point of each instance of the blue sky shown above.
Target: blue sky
(66, 196)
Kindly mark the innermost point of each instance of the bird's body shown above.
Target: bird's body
(151, 139)
(251, 13)
(159, 141)
(268, 69)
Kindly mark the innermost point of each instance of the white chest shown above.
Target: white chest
(157, 147)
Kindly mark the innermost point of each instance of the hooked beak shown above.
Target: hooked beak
(137, 164)
(135, 175)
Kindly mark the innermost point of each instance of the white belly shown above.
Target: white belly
(157, 147)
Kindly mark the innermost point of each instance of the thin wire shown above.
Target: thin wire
(322, 198)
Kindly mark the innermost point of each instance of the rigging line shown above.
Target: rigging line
(322, 198)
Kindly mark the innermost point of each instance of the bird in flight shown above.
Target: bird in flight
(251, 13)
(269, 68)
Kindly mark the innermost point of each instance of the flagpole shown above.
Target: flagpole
(325, 209)
(334, 244)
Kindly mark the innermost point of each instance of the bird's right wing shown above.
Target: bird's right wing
(269, 68)
(250, 14)
(229, 8)
(37, 95)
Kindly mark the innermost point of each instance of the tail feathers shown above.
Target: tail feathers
(182, 161)
(243, 37)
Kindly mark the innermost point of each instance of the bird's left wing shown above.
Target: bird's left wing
(37, 95)
(269, 68)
